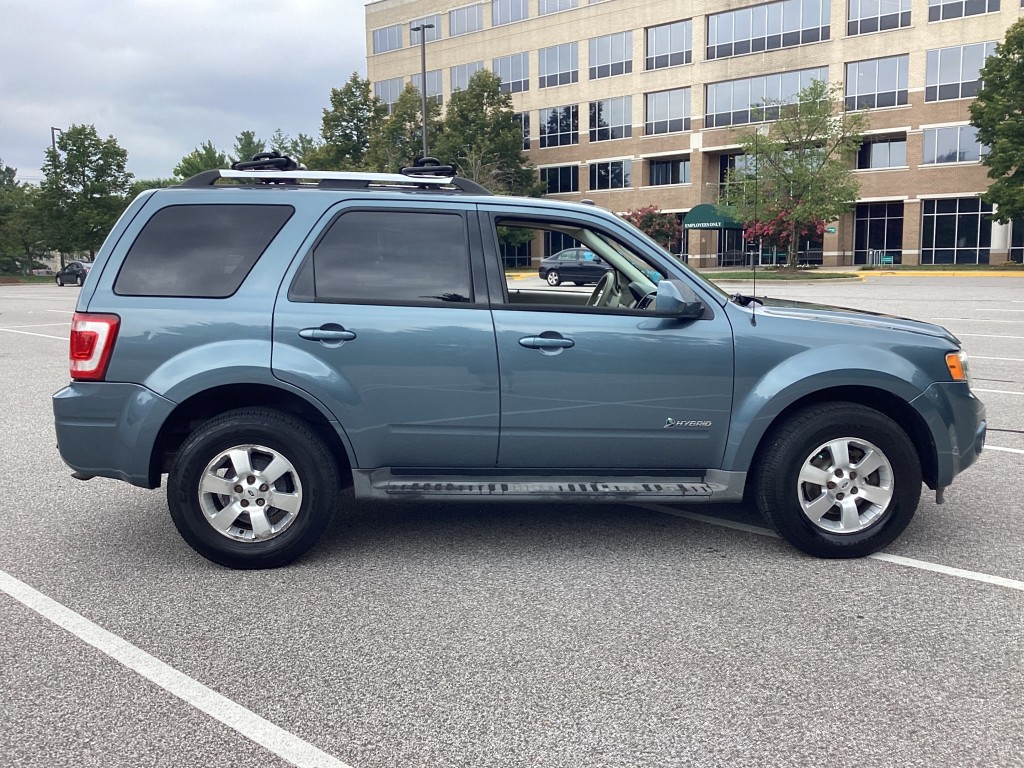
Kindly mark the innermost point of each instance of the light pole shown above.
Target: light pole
(422, 29)
(53, 137)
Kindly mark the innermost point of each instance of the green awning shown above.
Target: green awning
(707, 216)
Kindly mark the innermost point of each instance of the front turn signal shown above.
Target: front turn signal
(956, 362)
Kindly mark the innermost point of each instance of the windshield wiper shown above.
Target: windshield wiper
(744, 300)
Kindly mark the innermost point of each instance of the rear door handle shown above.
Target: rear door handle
(545, 342)
(329, 332)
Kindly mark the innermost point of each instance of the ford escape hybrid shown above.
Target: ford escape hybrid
(266, 336)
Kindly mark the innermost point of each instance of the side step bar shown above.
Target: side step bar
(382, 484)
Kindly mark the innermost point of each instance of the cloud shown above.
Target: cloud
(163, 76)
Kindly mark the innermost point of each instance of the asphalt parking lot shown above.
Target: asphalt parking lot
(526, 635)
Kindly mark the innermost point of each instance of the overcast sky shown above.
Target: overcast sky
(163, 76)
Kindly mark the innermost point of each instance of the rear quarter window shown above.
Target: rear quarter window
(201, 251)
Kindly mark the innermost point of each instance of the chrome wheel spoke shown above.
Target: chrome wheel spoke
(875, 494)
(815, 476)
(850, 514)
(287, 502)
(275, 469)
(223, 519)
(871, 462)
(816, 509)
(217, 485)
(261, 527)
(241, 461)
(840, 450)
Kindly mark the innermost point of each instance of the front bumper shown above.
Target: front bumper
(109, 429)
(956, 419)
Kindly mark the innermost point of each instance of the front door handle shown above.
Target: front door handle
(546, 342)
(328, 332)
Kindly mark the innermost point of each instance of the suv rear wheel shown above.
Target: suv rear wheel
(839, 480)
(252, 488)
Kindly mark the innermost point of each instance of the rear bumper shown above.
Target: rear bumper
(957, 422)
(108, 429)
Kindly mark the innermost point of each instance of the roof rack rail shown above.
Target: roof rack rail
(437, 178)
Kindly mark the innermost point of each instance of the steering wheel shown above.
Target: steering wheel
(602, 294)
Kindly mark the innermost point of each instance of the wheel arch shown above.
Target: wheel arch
(881, 400)
(212, 402)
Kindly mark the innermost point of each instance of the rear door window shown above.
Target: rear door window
(200, 251)
(389, 257)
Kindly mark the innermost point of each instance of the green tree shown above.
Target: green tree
(354, 116)
(799, 175)
(663, 228)
(483, 139)
(998, 114)
(298, 148)
(141, 185)
(83, 190)
(399, 141)
(247, 145)
(205, 157)
(21, 231)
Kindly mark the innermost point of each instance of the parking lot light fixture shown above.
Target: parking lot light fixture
(422, 29)
(53, 136)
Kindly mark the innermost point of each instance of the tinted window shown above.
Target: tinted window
(392, 256)
(202, 251)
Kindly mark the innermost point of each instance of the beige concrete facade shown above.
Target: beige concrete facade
(909, 184)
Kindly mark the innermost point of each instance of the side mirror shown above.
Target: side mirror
(674, 298)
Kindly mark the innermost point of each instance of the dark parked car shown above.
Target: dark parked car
(573, 265)
(74, 272)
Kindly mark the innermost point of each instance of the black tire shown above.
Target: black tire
(553, 277)
(60, 281)
(80, 280)
(794, 447)
(310, 484)
(577, 282)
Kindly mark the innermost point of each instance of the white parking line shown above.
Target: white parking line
(1004, 359)
(909, 562)
(40, 335)
(990, 336)
(282, 743)
(997, 391)
(32, 325)
(1005, 450)
(977, 320)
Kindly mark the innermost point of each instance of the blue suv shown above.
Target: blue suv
(265, 337)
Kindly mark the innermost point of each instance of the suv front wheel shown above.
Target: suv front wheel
(252, 488)
(839, 480)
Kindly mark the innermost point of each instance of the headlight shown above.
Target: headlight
(959, 370)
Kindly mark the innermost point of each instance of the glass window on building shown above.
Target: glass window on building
(433, 32)
(940, 10)
(434, 88)
(877, 16)
(1016, 253)
(737, 102)
(559, 65)
(523, 118)
(611, 119)
(561, 179)
(462, 21)
(952, 144)
(667, 112)
(514, 72)
(956, 231)
(460, 75)
(613, 174)
(877, 82)
(554, 6)
(768, 27)
(388, 92)
(559, 126)
(387, 39)
(611, 55)
(883, 153)
(507, 11)
(670, 170)
(955, 73)
(878, 233)
(669, 45)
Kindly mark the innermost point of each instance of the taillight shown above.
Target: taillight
(92, 341)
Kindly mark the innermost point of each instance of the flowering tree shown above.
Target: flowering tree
(663, 228)
(798, 175)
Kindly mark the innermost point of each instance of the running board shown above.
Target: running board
(382, 484)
